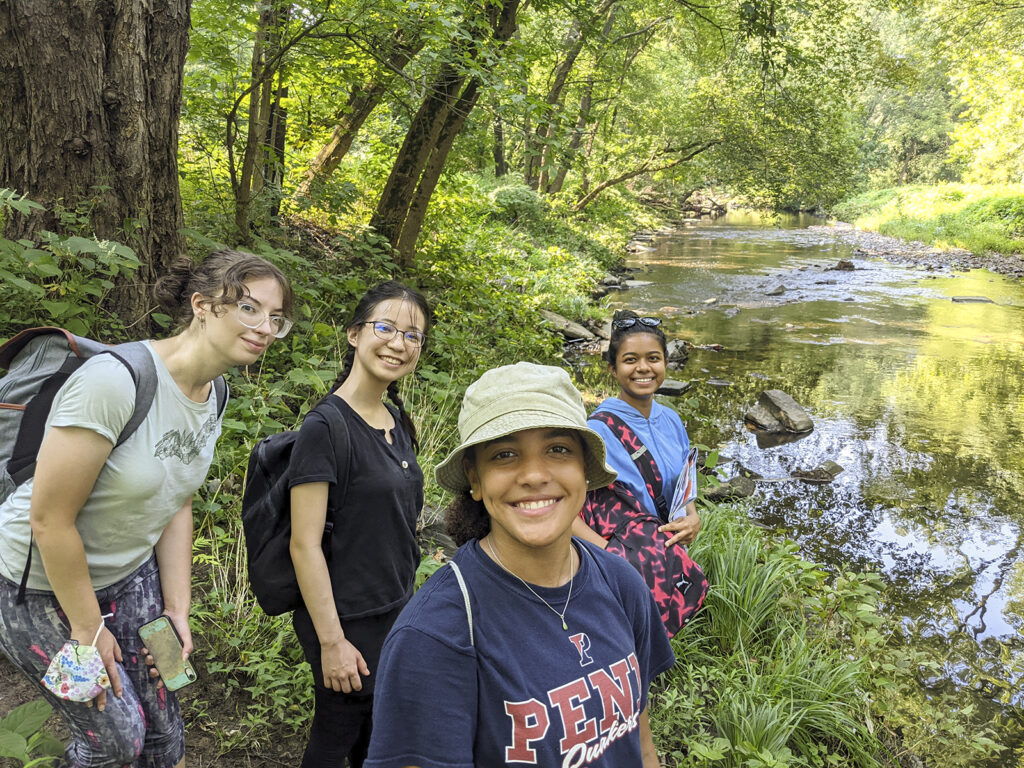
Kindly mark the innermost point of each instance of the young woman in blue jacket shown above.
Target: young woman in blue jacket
(637, 358)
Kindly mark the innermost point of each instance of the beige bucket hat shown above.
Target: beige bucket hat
(518, 397)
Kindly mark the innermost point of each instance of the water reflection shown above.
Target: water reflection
(916, 396)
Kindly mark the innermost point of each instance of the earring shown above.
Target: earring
(202, 321)
(474, 495)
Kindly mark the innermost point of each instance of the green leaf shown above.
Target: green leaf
(20, 283)
(83, 245)
(28, 718)
(13, 745)
(45, 745)
(56, 308)
(46, 270)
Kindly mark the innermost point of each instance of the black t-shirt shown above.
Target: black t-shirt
(373, 549)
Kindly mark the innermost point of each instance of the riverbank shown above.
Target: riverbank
(930, 257)
(962, 226)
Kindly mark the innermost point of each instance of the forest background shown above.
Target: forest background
(497, 154)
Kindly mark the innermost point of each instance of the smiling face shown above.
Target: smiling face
(639, 369)
(238, 344)
(533, 485)
(387, 360)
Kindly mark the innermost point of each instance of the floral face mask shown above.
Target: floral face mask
(77, 673)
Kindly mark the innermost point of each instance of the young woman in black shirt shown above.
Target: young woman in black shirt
(354, 466)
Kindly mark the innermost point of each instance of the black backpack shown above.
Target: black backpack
(38, 363)
(267, 516)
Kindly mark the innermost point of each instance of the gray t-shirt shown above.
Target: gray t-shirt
(143, 483)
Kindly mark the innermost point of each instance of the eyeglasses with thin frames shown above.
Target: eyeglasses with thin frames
(629, 322)
(253, 317)
(386, 331)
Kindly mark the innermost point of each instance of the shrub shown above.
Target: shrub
(517, 202)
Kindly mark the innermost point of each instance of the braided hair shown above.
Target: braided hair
(618, 334)
(386, 291)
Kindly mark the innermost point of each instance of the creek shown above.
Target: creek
(917, 396)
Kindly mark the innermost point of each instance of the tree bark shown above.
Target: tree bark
(394, 207)
(432, 172)
(362, 100)
(266, 48)
(500, 163)
(91, 96)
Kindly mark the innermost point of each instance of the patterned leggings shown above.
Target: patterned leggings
(144, 727)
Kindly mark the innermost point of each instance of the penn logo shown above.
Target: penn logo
(582, 642)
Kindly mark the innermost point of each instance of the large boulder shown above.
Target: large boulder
(566, 327)
(738, 487)
(678, 352)
(673, 388)
(786, 410)
(775, 411)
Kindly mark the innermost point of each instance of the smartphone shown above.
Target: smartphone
(164, 644)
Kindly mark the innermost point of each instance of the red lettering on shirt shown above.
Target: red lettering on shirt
(616, 693)
(529, 723)
(575, 726)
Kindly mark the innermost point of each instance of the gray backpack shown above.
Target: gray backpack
(38, 362)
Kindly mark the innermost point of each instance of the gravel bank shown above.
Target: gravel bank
(913, 251)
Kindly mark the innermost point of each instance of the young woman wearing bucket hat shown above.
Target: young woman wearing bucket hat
(534, 648)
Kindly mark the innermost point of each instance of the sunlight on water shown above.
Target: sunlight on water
(918, 397)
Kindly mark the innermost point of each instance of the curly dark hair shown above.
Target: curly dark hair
(466, 519)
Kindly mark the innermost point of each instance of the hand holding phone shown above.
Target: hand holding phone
(165, 646)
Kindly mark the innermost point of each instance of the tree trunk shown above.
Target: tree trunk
(362, 100)
(500, 163)
(394, 207)
(273, 169)
(91, 95)
(432, 172)
(646, 167)
(248, 185)
(577, 137)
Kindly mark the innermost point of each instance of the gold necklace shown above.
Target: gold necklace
(568, 597)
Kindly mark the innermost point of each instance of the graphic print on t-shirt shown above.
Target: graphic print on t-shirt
(587, 730)
(185, 447)
(582, 642)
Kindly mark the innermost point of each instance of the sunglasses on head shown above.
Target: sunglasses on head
(629, 322)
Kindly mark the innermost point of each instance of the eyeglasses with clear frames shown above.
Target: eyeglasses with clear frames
(253, 317)
(386, 331)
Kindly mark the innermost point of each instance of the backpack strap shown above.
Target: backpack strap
(465, 598)
(640, 455)
(139, 362)
(220, 391)
(337, 428)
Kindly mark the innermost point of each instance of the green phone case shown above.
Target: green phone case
(164, 644)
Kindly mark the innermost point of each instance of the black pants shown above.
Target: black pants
(342, 721)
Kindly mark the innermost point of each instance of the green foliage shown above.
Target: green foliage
(63, 280)
(974, 217)
(23, 738)
(516, 202)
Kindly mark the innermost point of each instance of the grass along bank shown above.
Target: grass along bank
(978, 218)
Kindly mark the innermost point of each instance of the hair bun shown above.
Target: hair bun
(169, 289)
